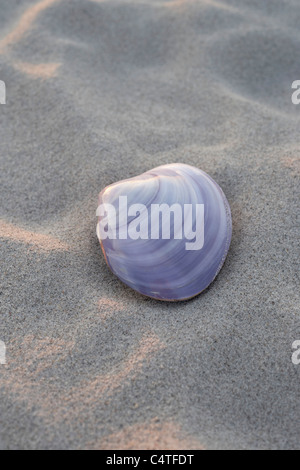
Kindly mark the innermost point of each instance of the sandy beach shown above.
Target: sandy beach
(100, 91)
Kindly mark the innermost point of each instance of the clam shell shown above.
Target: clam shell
(163, 268)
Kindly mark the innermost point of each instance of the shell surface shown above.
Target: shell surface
(165, 233)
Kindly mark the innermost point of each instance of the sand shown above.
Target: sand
(99, 91)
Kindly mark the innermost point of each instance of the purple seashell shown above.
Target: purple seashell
(165, 233)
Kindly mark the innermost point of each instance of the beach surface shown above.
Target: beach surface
(99, 91)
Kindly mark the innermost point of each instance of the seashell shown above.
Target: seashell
(165, 233)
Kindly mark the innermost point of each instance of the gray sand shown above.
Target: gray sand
(99, 91)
